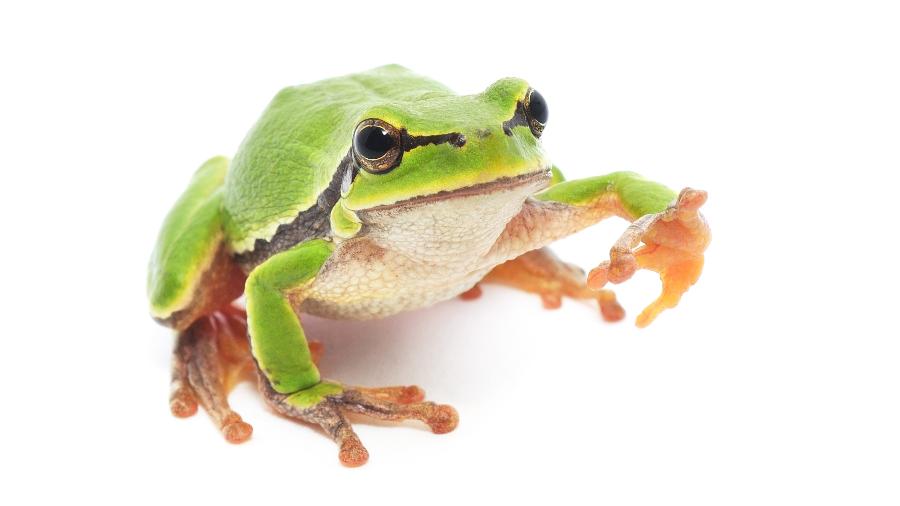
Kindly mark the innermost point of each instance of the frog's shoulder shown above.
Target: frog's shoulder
(289, 162)
(313, 222)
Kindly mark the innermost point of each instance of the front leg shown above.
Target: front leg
(289, 379)
(674, 233)
(673, 244)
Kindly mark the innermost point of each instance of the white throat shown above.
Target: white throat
(452, 230)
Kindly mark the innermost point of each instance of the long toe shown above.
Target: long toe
(237, 431)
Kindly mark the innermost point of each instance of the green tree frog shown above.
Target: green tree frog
(369, 194)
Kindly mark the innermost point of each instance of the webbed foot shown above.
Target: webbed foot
(674, 242)
(326, 403)
(541, 272)
(209, 358)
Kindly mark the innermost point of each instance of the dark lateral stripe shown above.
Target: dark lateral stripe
(518, 119)
(313, 223)
(411, 142)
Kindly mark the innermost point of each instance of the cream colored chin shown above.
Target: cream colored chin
(456, 228)
(411, 256)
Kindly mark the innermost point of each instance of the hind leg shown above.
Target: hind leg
(210, 357)
(543, 273)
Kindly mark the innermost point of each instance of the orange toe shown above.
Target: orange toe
(353, 453)
(183, 404)
(443, 420)
(237, 432)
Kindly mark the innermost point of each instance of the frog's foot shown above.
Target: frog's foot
(210, 357)
(326, 403)
(542, 273)
(472, 293)
(674, 242)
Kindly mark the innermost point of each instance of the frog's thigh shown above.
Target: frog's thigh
(276, 337)
(191, 271)
(541, 272)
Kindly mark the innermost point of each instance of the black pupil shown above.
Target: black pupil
(537, 108)
(372, 142)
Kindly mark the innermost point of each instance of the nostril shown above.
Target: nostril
(483, 133)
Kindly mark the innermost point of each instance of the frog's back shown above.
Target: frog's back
(287, 164)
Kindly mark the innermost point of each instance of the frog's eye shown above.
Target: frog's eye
(377, 146)
(536, 112)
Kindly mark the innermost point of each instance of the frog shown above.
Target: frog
(365, 195)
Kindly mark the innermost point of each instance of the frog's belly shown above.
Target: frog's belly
(363, 281)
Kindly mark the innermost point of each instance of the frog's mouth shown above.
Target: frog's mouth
(539, 179)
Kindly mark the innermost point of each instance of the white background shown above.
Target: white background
(774, 382)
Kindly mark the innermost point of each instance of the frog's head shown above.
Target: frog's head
(445, 150)
(442, 143)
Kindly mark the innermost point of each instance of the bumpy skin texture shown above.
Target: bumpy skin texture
(471, 191)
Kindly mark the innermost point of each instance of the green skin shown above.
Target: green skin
(291, 156)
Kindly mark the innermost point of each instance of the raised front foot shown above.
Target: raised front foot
(326, 403)
(543, 273)
(674, 243)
